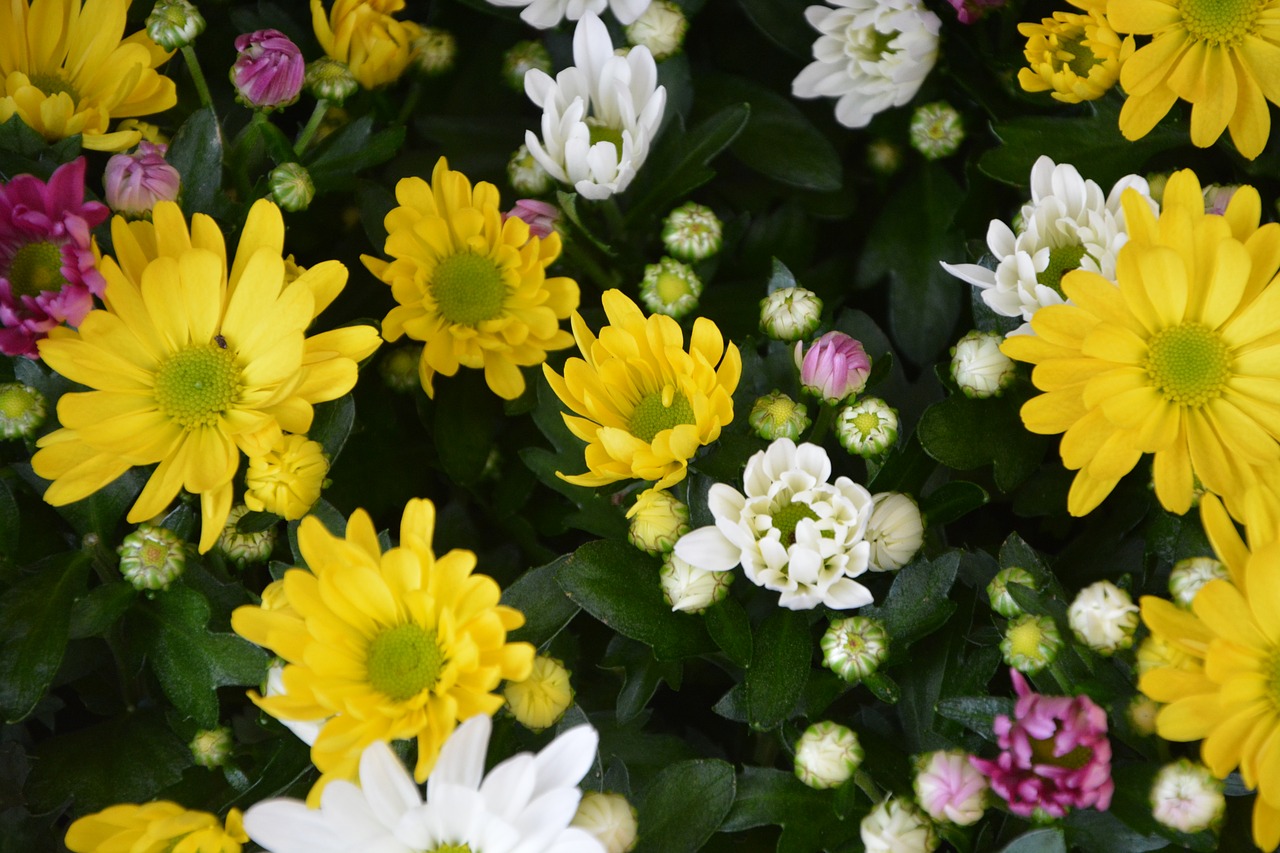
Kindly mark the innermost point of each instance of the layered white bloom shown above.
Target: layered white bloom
(545, 14)
(599, 116)
(1185, 796)
(978, 366)
(872, 55)
(792, 532)
(895, 826)
(895, 531)
(1067, 225)
(526, 803)
(1103, 617)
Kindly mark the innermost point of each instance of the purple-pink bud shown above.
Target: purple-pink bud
(269, 71)
(135, 182)
(835, 368)
(970, 11)
(538, 215)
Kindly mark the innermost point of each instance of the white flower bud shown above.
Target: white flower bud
(936, 130)
(526, 174)
(868, 428)
(827, 755)
(978, 366)
(661, 28)
(896, 826)
(244, 549)
(1190, 575)
(174, 24)
(690, 589)
(692, 232)
(610, 818)
(1103, 617)
(434, 51)
(1186, 797)
(949, 788)
(790, 313)
(854, 647)
(895, 531)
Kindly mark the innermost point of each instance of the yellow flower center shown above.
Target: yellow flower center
(196, 386)
(1189, 364)
(658, 411)
(1025, 638)
(16, 402)
(866, 422)
(671, 287)
(450, 848)
(1219, 21)
(601, 132)
(787, 517)
(35, 269)
(403, 661)
(54, 84)
(1062, 260)
(468, 289)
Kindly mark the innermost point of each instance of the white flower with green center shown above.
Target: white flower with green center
(792, 531)
(1067, 225)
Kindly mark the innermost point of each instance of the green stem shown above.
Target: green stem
(826, 416)
(197, 75)
(613, 216)
(1055, 669)
(410, 102)
(313, 123)
(867, 785)
(582, 258)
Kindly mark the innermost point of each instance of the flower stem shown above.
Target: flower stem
(197, 75)
(826, 415)
(867, 785)
(581, 257)
(313, 123)
(410, 102)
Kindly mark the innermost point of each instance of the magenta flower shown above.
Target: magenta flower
(269, 71)
(835, 368)
(135, 182)
(538, 215)
(970, 11)
(48, 270)
(1055, 754)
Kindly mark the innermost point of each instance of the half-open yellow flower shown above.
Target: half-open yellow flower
(375, 46)
(161, 825)
(642, 403)
(190, 364)
(65, 70)
(1072, 56)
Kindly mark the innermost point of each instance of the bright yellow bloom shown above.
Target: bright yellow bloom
(384, 645)
(472, 287)
(160, 827)
(644, 405)
(375, 46)
(539, 701)
(65, 70)
(288, 478)
(1180, 359)
(1075, 57)
(190, 365)
(1222, 56)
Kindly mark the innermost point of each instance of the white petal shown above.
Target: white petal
(708, 549)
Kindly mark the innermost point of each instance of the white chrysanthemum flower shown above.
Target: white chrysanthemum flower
(1067, 225)
(872, 55)
(545, 14)
(598, 116)
(896, 826)
(1185, 796)
(792, 532)
(1103, 617)
(526, 803)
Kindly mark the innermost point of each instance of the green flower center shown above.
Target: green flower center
(866, 422)
(403, 661)
(787, 517)
(1189, 364)
(1071, 41)
(17, 402)
(601, 132)
(450, 848)
(1220, 21)
(468, 289)
(868, 44)
(196, 386)
(36, 268)
(1062, 260)
(671, 287)
(658, 411)
(53, 84)
(1042, 753)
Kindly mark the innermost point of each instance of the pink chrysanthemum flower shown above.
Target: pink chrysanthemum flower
(1055, 754)
(48, 270)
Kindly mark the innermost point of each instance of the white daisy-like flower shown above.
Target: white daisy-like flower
(792, 532)
(1068, 224)
(872, 55)
(545, 14)
(524, 804)
(599, 116)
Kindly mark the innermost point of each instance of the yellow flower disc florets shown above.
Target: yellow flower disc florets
(1075, 57)
(36, 268)
(1189, 364)
(196, 385)
(658, 411)
(468, 289)
(1223, 22)
(403, 661)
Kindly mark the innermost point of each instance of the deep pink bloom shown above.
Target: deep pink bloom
(1055, 754)
(538, 215)
(269, 71)
(969, 11)
(835, 368)
(135, 182)
(48, 272)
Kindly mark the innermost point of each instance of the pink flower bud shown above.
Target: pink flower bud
(538, 215)
(135, 182)
(970, 11)
(835, 368)
(269, 71)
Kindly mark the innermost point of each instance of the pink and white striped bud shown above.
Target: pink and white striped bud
(538, 215)
(135, 182)
(269, 72)
(835, 368)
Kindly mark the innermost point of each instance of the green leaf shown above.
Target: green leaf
(332, 424)
(618, 585)
(93, 614)
(976, 713)
(1038, 841)
(191, 661)
(918, 603)
(36, 620)
(568, 204)
(728, 625)
(196, 152)
(952, 501)
(466, 419)
(336, 161)
(673, 821)
(779, 668)
(99, 513)
(546, 608)
(642, 674)
(783, 22)
(678, 164)
(964, 434)
(10, 519)
(769, 797)
(781, 277)
(1090, 829)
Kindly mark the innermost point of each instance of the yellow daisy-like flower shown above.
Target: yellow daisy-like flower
(1222, 56)
(159, 827)
(375, 46)
(65, 70)
(644, 405)
(384, 645)
(190, 365)
(1072, 56)
(473, 288)
(1180, 359)
(287, 479)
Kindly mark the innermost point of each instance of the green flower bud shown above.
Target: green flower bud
(1190, 575)
(775, 415)
(212, 747)
(330, 80)
(526, 175)
(998, 590)
(522, 58)
(692, 232)
(883, 157)
(1103, 617)
(399, 368)
(22, 410)
(152, 557)
(174, 24)
(868, 428)
(854, 647)
(244, 549)
(661, 28)
(936, 130)
(291, 186)
(434, 51)
(1030, 643)
(670, 288)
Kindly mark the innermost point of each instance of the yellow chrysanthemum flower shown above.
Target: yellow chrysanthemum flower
(1222, 57)
(66, 70)
(644, 405)
(384, 645)
(473, 288)
(159, 827)
(1180, 359)
(375, 46)
(188, 365)
(288, 478)
(1072, 56)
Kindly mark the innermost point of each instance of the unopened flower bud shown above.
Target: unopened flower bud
(657, 519)
(22, 410)
(540, 700)
(775, 415)
(1142, 712)
(998, 590)
(896, 826)
(689, 589)
(135, 182)
(1187, 797)
(399, 368)
(538, 215)
(610, 818)
(1190, 575)
(979, 367)
(1103, 617)
(1030, 643)
(895, 531)
(854, 647)
(827, 755)
(790, 314)
(244, 549)
(522, 58)
(174, 24)
(526, 174)
(1217, 197)
(330, 80)
(661, 28)
(291, 186)
(936, 130)
(434, 51)
(288, 478)
(949, 788)
(884, 157)
(1155, 652)
(834, 368)
(212, 747)
(152, 557)
(868, 428)
(269, 70)
(670, 288)
(692, 232)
